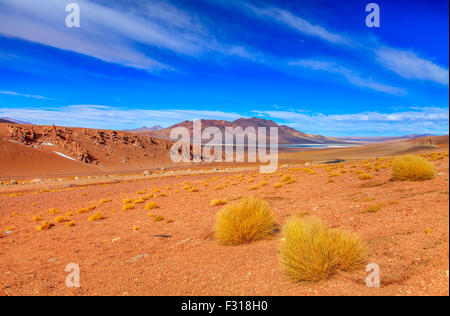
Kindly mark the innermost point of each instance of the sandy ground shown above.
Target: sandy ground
(408, 237)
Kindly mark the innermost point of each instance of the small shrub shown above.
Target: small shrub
(247, 220)
(127, 207)
(81, 211)
(373, 208)
(216, 202)
(45, 225)
(158, 218)
(70, 224)
(365, 176)
(150, 206)
(103, 201)
(97, 216)
(412, 168)
(288, 178)
(54, 211)
(60, 219)
(37, 218)
(310, 252)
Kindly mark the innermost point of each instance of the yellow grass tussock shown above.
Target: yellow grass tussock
(365, 176)
(150, 206)
(216, 202)
(247, 220)
(97, 216)
(311, 252)
(412, 168)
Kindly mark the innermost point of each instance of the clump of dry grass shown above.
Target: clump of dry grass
(365, 176)
(127, 207)
(158, 218)
(82, 210)
(97, 216)
(217, 202)
(311, 252)
(412, 168)
(373, 208)
(150, 206)
(334, 174)
(60, 219)
(70, 224)
(54, 211)
(37, 218)
(288, 178)
(45, 225)
(247, 220)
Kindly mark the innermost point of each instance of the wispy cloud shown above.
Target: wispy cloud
(299, 24)
(106, 117)
(408, 65)
(351, 75)
(416, 120)
(402, 62)
(31, 96)
(113, 35)
(419, 120)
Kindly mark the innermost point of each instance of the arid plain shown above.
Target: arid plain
(163, 242)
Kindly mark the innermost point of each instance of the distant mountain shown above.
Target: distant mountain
(381, 139)
(144, 129)
(286, 134)
(13, 121)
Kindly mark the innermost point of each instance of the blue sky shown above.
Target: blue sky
(313, 65)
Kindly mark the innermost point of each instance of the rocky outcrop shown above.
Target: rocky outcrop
(88, 145)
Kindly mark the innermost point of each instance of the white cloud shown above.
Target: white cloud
(300, 24)
(421, 120)
(417, 120)
(32, 96)
(408, 65)
(106, 117)
(351, 76)
(112, 35)
(402, 62)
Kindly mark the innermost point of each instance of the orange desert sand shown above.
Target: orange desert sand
(170, 249)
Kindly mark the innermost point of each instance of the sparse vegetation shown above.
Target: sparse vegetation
(373, 208)
(217, 202)
(365, 176)
(150, 206)
(60, 219)
(45, 225)
(247, 220)
(97, 216)
(310, 252)
(412, 168)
